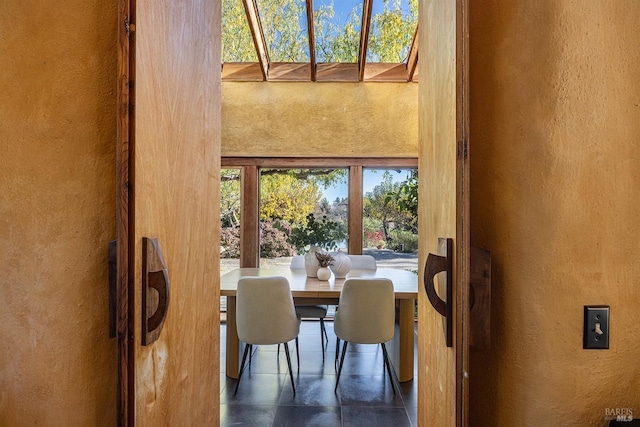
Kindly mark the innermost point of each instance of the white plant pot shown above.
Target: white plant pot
(341, 265)
(324, 273)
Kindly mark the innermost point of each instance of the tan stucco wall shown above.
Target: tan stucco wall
(57, 211)
(320, 119)
(555, 186)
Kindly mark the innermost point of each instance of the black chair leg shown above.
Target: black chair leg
(388, 365)
(337, 351)
(323, 334)
(297, 352)
(247, 349)
(324, 329)
(286, 352)
(344, 351)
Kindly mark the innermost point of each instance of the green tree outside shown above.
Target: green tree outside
(287, 40)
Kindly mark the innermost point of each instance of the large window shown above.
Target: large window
(273, 209)
(300, 208)
(390, 210)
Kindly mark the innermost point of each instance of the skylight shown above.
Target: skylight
(321, 40)
(285, 29)
(393, 23)
(337, 30)
(237, 45)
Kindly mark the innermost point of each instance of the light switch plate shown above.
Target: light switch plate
(596, 327)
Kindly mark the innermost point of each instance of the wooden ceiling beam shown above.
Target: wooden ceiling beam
(320, 162)
(241, 72)
(412, 59)
(289, 72)
(337, 72)
(384, 72)
(325, 72)
(364, 37)
(253, 18)
(312, 39)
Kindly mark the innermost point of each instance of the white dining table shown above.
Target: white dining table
(307, 290)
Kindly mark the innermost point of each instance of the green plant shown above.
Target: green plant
(405, 198)
(323, 233)
(324, 259)
(404, 241)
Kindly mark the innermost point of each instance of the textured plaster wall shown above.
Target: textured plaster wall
(320, 119)
(57, 211)
(555, 186)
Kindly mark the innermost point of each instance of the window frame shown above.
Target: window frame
(250, 193)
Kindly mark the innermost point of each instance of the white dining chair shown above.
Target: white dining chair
(297, 262)
(366, 316)
(363, 262)
(311, 311)
(265, 315)
(358, 262)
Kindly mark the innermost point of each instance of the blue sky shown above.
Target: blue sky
(344, 7)
(371, 178)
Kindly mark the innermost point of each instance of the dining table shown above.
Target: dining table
(312, 291)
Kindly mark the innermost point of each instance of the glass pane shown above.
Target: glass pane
(237, 44)
(337, 30)
(229, 219)
(393, 23)
(390, 217)
(284, 23)
(229, 224)
(300, 208)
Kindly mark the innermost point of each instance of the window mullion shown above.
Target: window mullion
(355, 210)
(250, 217)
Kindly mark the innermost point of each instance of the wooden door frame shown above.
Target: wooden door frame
(462, 200)
(125, 403)
(444, 149)
(125, 211)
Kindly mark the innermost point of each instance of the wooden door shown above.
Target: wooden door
(443, 211)
(168, 189)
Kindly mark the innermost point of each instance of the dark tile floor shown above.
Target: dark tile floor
(364, 397)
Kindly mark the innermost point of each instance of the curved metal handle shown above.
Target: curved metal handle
(154, 276)
(437, 264)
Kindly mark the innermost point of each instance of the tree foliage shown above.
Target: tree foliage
(286, 198)
(274, 240)
(336, 43)
(382, 212)
(237, 44)
(392, 32)
(319, 231)
(373, 203)
(406, 195)
(287, 195)
(337, 37)
(230, 197)
(285, 35)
